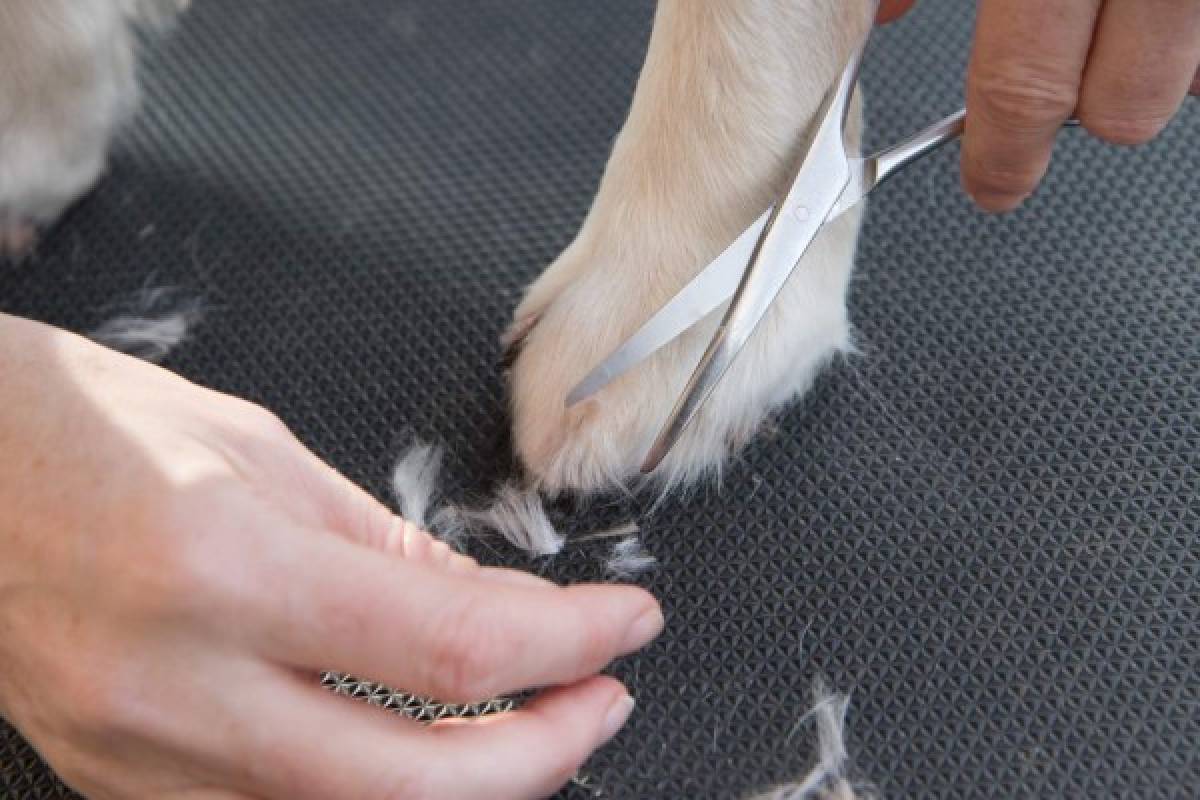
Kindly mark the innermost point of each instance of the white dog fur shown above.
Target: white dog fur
(723, 105)
(66, 84)
(725, 99)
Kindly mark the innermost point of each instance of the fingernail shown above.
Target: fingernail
(618, 715)
(644, 630)
(998, 203)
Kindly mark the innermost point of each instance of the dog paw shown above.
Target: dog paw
(602, 441)
(66, 83)
(718, 124)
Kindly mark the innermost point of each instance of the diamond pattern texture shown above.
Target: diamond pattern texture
(987, 525)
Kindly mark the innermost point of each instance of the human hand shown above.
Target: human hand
(1123, 67)
(175, 568)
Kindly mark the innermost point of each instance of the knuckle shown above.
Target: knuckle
(266, 423)
(180, 573)
(1024, 101)
(467, 652)
(173, 567)
(251, 419)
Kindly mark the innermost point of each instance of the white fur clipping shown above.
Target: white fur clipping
(153, 12)
(414, 480)
(157, 321)
(520, 518)
(449, 525)
(827, 780)
(629, 559)
(516, 515)
(622, 530)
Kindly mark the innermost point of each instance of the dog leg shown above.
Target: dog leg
(66, 83)
(727, 95)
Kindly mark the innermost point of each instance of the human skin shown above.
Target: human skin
(1123, 67)
(175, 569)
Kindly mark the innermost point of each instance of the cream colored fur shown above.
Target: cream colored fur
(66, 84)
(718, 123)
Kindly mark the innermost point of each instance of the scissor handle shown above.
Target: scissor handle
(893, 159)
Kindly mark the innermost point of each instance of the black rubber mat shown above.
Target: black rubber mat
(987, 527)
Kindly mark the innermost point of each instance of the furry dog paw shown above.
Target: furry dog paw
(717, 126)
(619, 278)
(66, 83)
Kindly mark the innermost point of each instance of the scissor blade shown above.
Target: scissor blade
(707, 292)
(862, 181)
(792, 227)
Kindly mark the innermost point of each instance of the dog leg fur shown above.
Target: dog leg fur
(67, 82)
(725, 100)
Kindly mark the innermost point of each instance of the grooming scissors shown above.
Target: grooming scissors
(754, 269)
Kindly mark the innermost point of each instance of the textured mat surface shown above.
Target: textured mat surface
(988, 527)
